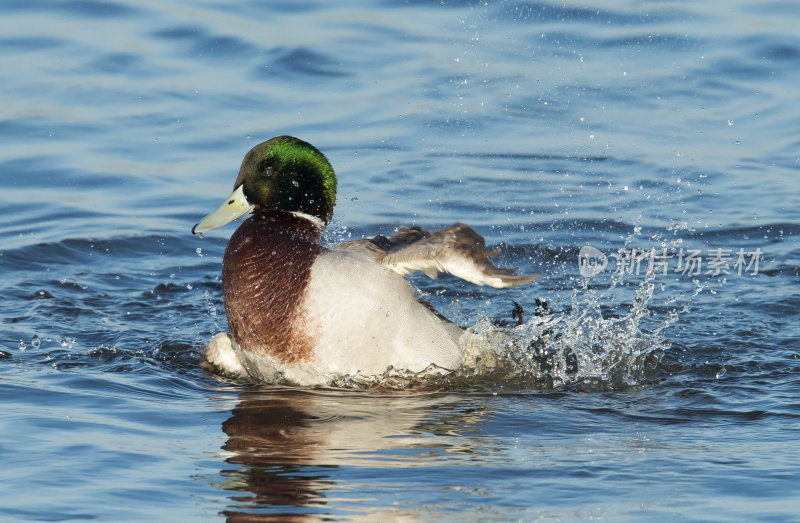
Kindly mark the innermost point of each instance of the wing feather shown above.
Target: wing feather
(457, 250)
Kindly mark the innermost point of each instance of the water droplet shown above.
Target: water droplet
(199, 251)
(295, 183)
(35, 341)
(22, 345)
(189, 286)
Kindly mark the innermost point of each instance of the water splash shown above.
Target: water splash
(582, 347)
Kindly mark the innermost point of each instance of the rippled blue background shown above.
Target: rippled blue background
(546, 126)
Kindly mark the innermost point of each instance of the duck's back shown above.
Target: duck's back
(364, 316)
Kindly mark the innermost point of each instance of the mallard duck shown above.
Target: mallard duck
(301, 312)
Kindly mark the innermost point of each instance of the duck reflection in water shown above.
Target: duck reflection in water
(289, 445)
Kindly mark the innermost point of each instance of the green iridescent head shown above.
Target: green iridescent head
(283, 174)
(288, 174)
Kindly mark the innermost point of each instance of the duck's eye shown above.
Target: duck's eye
(266, 170)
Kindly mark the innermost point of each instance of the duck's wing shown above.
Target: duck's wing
(457, 250)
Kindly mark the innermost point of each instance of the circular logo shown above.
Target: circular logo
(591, 261)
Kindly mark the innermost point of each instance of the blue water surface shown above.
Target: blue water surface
(662, 126)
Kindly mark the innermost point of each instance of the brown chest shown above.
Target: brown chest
(265, 272)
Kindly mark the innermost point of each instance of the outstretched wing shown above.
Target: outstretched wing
(457, 249)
